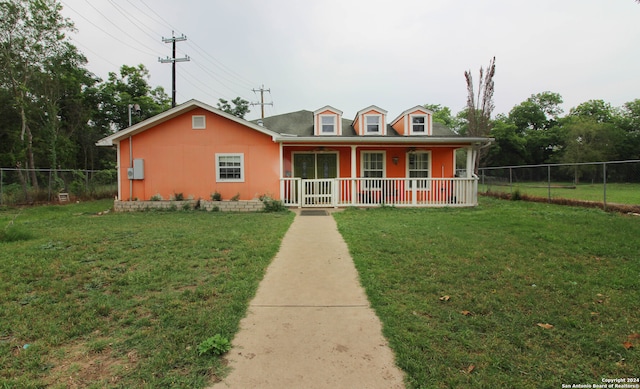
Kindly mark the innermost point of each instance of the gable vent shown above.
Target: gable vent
(198, 122)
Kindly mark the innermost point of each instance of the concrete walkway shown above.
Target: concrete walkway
(310, 324)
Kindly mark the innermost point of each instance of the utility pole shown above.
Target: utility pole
(173, 61)
(262, 103)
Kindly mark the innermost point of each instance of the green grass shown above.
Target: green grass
(124, 300)
(509, 266)
(627, 193)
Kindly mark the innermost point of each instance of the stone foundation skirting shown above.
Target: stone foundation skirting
(222, 206)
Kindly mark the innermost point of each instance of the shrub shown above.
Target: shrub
(216, 196)
(236, 197)
(178, 196)
(79, 184)
(156, 197)
(272, 205)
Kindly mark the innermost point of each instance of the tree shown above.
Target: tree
(444, 116)
(536, 119)
(31, 34)
(588, 140)
(240, 107)
(479, 108)
(628, 120)
(127, 88)
(598, 110)
(538, 112)
(509, 147)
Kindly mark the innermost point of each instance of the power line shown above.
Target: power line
(213, 60)
(137, 23)
(107, 32)
(212, 67)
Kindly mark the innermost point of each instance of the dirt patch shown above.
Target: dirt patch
(79, 368)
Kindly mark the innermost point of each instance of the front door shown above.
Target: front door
(317, 171)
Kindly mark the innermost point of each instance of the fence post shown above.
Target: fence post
(49, 188)
(604, 180)
(549, 182)
(510, 180)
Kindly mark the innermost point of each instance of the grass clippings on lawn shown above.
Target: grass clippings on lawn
(508, 294)
(95, 300)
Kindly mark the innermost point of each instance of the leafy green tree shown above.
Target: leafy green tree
(537, 119)
(240, 107)
(509, 147)
(629, 122)
(598, 110)
(62, 109)
(32, 32)
(9, 130)
(443, 115)
(538, 112)
(129, 87)
(588, 140)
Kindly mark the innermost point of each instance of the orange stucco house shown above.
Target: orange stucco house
(304, 158)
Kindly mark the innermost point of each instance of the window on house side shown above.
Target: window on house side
(198, 122)
(328, 124)
(419, 168)
(230, 167)
(418, 124)
(372, 123)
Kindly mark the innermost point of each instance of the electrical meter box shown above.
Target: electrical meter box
(137, 171)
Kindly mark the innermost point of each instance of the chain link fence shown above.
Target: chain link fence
(607, 183)
(29, 186)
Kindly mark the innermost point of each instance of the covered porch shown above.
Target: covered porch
(364, 192)
(334, 175)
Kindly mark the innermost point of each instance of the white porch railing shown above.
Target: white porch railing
(362, 192)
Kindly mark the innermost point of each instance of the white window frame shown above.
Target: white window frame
(425, 125)
(334, 123)
(373, 185)
(218, 167)
(366, 124)
(421, 186)
(196, 125)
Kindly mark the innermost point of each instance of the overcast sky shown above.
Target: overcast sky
(351, 54)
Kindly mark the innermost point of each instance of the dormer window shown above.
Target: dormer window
(373, 123)
(328, 123)
(414, 121)
(418, 124)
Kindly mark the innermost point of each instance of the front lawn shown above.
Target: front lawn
(617, 193)
(508, 294)
(94, 300)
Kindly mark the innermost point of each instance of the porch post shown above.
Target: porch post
(282, 187)
(353, 175)
(470, 163)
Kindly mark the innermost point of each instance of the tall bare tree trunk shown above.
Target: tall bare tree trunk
(23, 182)
(479, 109)
(31, 160)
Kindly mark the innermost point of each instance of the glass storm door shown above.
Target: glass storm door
(317, 171)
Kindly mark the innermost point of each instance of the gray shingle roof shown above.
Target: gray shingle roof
(300, 124)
